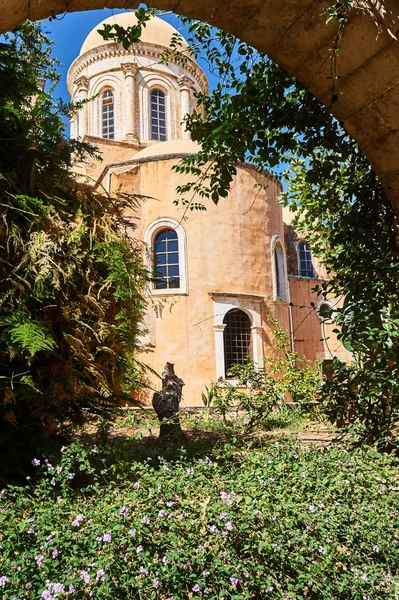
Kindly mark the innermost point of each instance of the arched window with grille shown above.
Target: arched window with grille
(306, 268)
(158, 115)
(166, 260)
(108, 121)
(236, 338)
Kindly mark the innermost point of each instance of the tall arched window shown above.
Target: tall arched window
(166, 260)
(236, 338)
(279, 272)
(305, 260)
(158, 115)
(108, 123)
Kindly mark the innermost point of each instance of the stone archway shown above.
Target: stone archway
(294, 33)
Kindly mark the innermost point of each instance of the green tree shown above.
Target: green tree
(71, 280)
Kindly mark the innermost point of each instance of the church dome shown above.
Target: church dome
(168, 148)
(157, 31)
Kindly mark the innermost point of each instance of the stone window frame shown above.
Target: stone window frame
(149, 237)
(223, 302)
(282, 265)
(158, 89)
(107, 91)
(148, 82)
(104, 83)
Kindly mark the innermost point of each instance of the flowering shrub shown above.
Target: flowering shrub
(276, 522)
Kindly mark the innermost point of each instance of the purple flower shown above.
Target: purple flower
(55, 553)
(46, 595)
(3, 580)
(205, 573)
(35, 462)
(76, 522)
(144, 571)
(190, 471)
(71, 589)
(63, 450)
(156, 583)
(312, 509)
(84, 575)
(100, 574)
(145, 521)
(107, 537)
(229, 526)
(196, 588)
(213, 529)
(165, 560)
(223, 516)
(132, 532)
(38, 559)
(137, 486)
(58, 588)
(123, 512)
(234, 581)
(364, 577)
(170, 503)
(139, 549)
(376, 548)
(321, 549)
(59, 470)
(31, 530)
(269, 589)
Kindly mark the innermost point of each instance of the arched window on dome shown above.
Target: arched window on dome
(107, 115)
(166, 260)
(280, 287)
(236, 338)
(158, 115)
(306, 268)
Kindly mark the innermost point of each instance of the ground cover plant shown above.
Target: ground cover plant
(258, 520)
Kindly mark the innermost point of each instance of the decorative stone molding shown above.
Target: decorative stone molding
(145, 50)
(82, 83)
(185, 82)
(130, 69)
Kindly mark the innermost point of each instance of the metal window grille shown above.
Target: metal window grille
(158, 116)
(166, 260)
(236, 338)
(108, 115)
(305, 260)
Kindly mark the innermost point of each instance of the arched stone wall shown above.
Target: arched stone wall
(294, 33)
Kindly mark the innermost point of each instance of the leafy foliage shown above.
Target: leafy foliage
(286, 376)
(275, 521)
(260, 114)
(71, 280)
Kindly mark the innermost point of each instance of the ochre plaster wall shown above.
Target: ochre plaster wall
(228, 250)
(312, 338)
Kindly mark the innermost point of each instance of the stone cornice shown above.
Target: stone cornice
(239, 296)
(143, 49)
